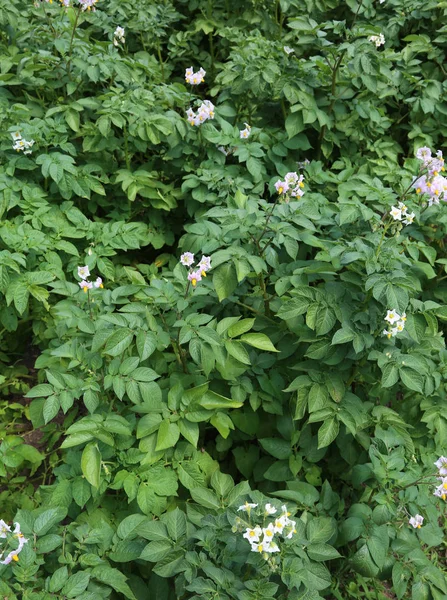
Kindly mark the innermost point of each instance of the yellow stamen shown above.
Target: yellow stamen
(444, 485)
(100, 285)
(269, 533)
(15, 557)
(419, 526)
(301, 184)
(389, 335)
(280, 190)
(435, 173)
(194, 282)
(437, 192)
(203, 273)
(260, 548)
(85, 288)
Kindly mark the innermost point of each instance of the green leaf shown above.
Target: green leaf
(205, 498)
(390, 375)
(190, 431)
(259, 340)
(212, 401)
(91, 464)
(50, 408)
(277, 447)
(113, 578)
(146, 343)
(175, 521)
(40, 391)
(45, 521)
(118, 342)
(225, 281)
(168, 435)
(328, 432)
(320, 529)
(412, 379)
(240, 327)
(76, 584)
(342, 336)
(322, 552)
(237, 351)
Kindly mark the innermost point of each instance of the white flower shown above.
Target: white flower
(253, 535)
(268, 531)
(392, 316)
(273, 547)
(245, 133)
(247, 507)
(389, 333)
(16, 135)
(423, 153)
(14, 554)
(379, 40)
(98, 283)
(400, 326)
(403, 208)
(440, 464)
(118, 36)
(88, 4)
(195, 78)
(83, 272)
(85, 285)
(416, 521)
(187, 259)
(259, 547)
(4, 528)
(288, 50)
(280, 523)
(409, 218)
(291, 524)
(396, 213)
(205, 112)
(204, 265)
(269, 509)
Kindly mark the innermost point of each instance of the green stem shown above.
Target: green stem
(71, 42)
(160, 59)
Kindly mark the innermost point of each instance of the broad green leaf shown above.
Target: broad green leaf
(259, 340)
(91, 464)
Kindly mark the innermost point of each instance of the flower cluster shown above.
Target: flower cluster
(292, 185)
(118, 36)
(195, 78)
(245, 133)
(88, 4)
(13, 538)
(432, 183)
(262, 539)
(200, 270)
(400, 213)
(416, 521)
(441, 490)
(205, 112)
(85, 284)
(379, 40)
(394, 318)
(21, 144)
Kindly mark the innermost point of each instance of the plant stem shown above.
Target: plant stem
(71, 42)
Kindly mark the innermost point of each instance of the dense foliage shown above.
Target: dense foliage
(222, 286)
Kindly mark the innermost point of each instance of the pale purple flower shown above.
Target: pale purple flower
(187, 259)
(194, 277)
